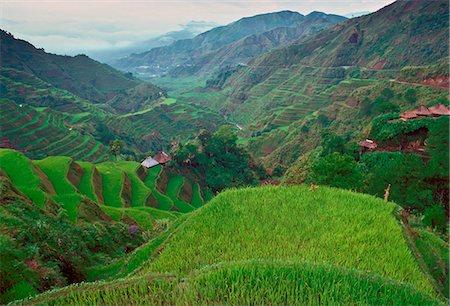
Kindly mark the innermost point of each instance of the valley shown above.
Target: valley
(305, 162)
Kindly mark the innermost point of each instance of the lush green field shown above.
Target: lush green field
(271, 245)
(56, 169)
(246, 283)
(21, 172)
(329, 226)
(164, 202)
(113, 178)
(49, 178)
(140, 191)
(85, 186)
(173, 188)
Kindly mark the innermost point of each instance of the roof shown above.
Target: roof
(422, 111)
(149, 162)
(369, 144)
(440, 109)
(408, 115)
(162, 158)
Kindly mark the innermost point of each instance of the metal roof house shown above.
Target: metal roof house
(160, 159)
(149, 162)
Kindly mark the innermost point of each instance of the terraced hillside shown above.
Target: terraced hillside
(120, 189)
(169, 118)
(72, 207)
(43, 133)
(273, 245)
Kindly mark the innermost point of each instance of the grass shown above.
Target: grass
(85, 186)
(435, 254)
(21, 172)
(164, 202)
(330, 226)
(139, 190)
(112, 178)
(56, 168)
(266, 246)
(133, 262)
(173, 188)
(197, 200)
(245, 283)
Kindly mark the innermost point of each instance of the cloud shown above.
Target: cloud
(75, 26)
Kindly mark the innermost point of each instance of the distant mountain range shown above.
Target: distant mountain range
(80, 75)
(228, 45)
(189, 30)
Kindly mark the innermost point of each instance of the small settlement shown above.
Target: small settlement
(423, 111)
(435, 111)
(160, 159)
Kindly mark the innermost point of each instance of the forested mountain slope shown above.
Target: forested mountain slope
(190, 55)
(80, 75)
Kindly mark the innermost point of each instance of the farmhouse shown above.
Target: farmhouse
(149, 162)
(160, 159)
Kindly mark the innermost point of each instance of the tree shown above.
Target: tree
(337, 170)
(410, 95)
(115, 147)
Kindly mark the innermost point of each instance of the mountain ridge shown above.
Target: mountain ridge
(181, 53)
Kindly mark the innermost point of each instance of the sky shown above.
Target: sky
(78, 26)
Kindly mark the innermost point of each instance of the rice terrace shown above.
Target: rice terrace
(224, 152)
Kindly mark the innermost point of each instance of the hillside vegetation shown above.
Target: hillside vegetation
(57, 211)
(279, 245)
(80, 75)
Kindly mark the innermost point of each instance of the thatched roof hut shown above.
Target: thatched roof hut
(422, 111)
(162, 158)
(408, 115)
(440, 110)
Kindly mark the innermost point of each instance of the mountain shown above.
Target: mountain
(243, 50)
(400, 34)
(189, 30)
(180, 52)
(80, 75)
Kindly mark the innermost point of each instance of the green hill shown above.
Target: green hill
(79, 201)
(76, 74)
(120, 185)
(275, 245)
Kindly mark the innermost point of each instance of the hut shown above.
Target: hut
(149, 162)
(422, 111)
(408, 115)
(162, 158)
(439, 110)
(368, 145)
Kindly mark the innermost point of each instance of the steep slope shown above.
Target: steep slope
(80, 75)
(57, 214)
(274, 245)
(162, 59)
(403, 33)
(243, 50)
